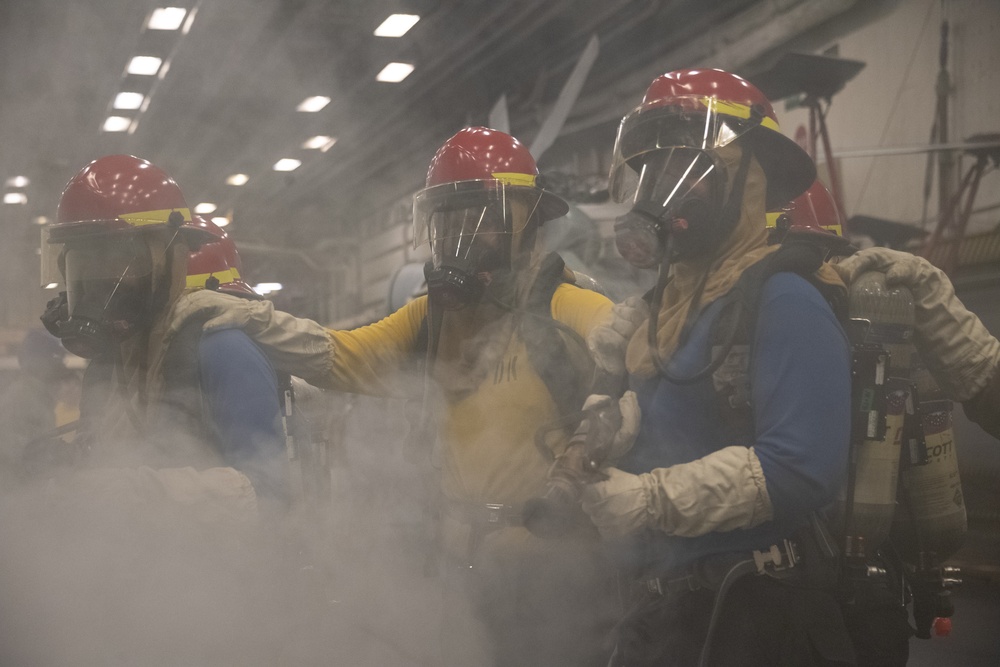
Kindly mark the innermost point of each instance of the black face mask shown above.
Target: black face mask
(108, 296)
(641, 234)
(99, 321)
(453, 284)
(692, 211)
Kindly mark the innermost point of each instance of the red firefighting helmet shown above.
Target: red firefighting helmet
(115, 197)
(812, 218)
(706, 109)
(484, 161)
(217, 262)
(812, 212)
(123, 193)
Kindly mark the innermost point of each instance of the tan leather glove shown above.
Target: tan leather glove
(617, 422)
(958, 350)
(294, 345)
(716, 493)
(608, 340)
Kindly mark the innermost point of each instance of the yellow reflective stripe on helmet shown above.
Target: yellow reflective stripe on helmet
(738, 110)
(224, 277)
(512, 178)
(772, 219)
(154, 217)
(836, 229)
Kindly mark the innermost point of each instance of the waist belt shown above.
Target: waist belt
(712, 572)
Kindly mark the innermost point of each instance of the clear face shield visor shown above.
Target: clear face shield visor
(472, 228)
(677, 191)
(106, 278)
(697, 123)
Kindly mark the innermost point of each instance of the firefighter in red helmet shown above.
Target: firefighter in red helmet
(740, 447)
(216, 265)
(501, 335)
(157, 392)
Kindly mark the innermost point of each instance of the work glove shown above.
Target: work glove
(608, 340)
(294, 345)
(617, 422)
(723, 491)
(958, 350)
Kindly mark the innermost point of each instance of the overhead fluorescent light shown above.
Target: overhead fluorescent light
(287, 164)
(221, 220)
(396, 25)
(52, 286)
(313, 104)
(266, 288)
(15, 198)
(238, 179)
(18, 182)
(126, 100)
(394, 72)
(319, 142)
(144, 65)
(205, 207)
(41, 220)
(116, 124)
(166, 18)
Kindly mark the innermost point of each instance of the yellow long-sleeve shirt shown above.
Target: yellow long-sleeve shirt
(489, 455)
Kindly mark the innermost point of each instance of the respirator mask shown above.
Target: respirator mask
(471, 227)
(678, 195)
(107, 297)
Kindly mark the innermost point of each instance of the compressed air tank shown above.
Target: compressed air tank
(887, 316)
(931, 522)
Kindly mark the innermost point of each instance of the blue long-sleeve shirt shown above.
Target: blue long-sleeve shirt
(800, 396)
(240, 394)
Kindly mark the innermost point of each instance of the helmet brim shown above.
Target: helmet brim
(789, 169)
(551, 206)
(239, 288)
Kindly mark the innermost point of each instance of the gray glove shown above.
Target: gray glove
(720, 492)
(294, 345)
(956, 347)
(608, 340)
(618, 424)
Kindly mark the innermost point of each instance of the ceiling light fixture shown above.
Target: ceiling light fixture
(313, 104)
(221, 221)
(394, 72)
(125, 100)
(18, 182)
(238, 179)
(166, 18)
(15, 198)
(144, 65)
(287, 164)
(41, 220)
(266, 288)
(116, 124)
(319, 142)
(205, 207)
(52, 286)
(396, 25)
